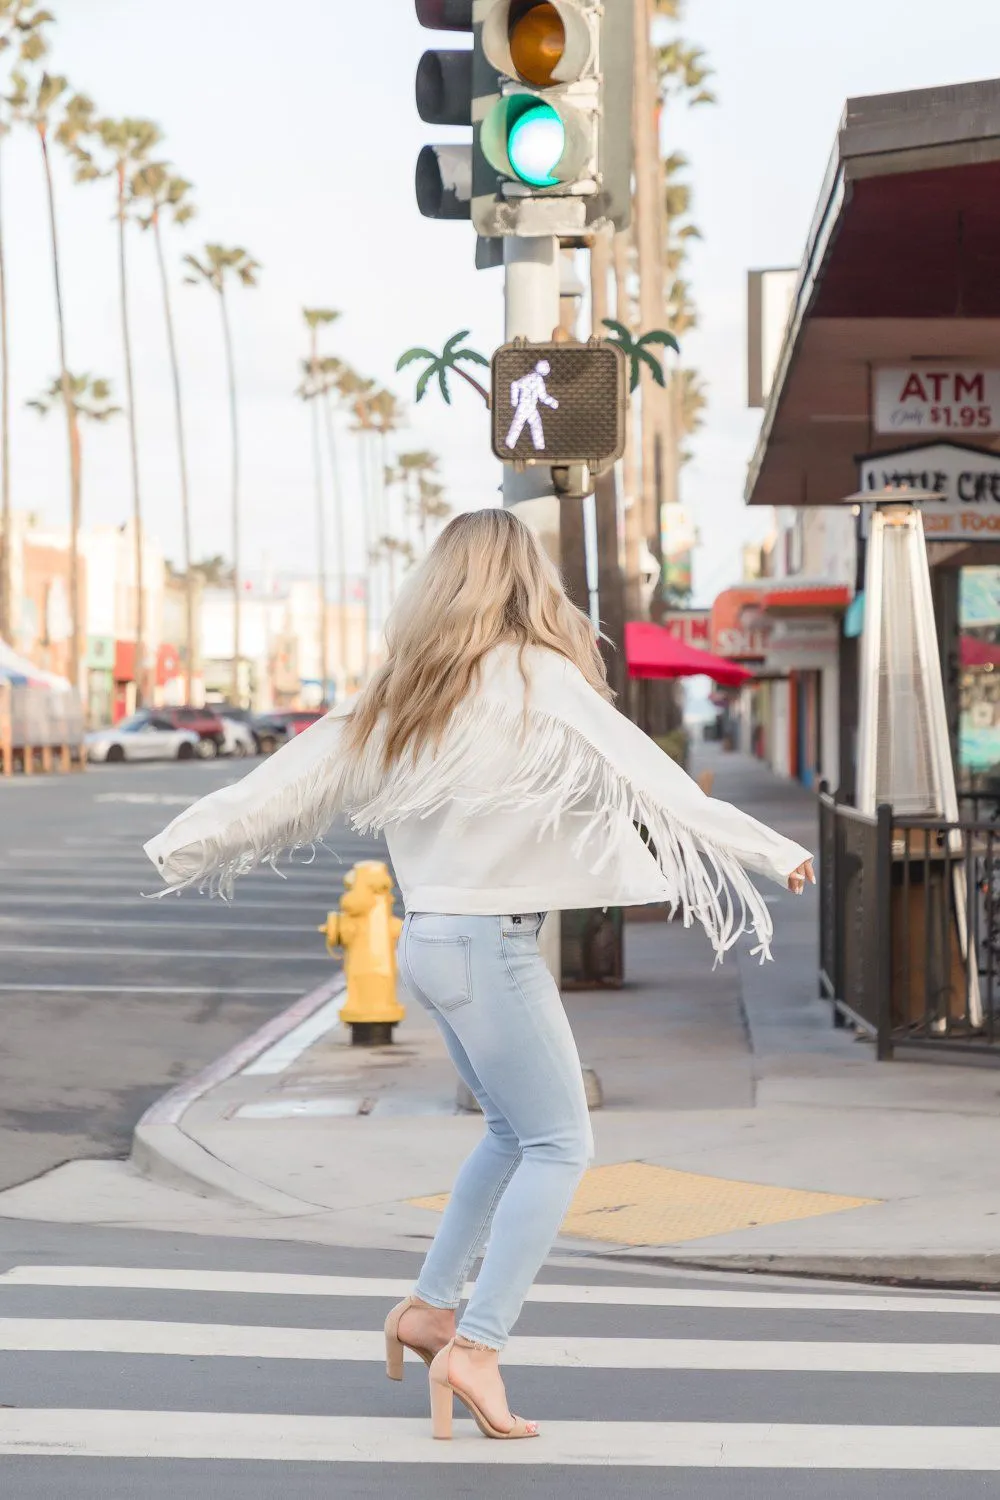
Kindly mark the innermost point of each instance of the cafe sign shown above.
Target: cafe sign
(966, 480)
(938, 399)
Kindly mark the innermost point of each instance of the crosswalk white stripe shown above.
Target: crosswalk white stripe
(230, 1340)
(54, 950)
(253, 1437)
(281, 1284)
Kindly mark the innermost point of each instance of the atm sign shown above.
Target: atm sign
(937, 398)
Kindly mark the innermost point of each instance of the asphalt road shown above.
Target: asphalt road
(165, 1365)
(108, 999)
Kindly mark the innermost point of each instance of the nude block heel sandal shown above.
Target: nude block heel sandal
(443, 1405)
(394, 1345)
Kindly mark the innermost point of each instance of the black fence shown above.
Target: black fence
(910, 924)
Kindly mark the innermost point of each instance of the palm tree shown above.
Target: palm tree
(385, 416)
(159, 190)
(311, 390)
(35, 107)
(329, 375)
(218, 266)
(393, 548)
(431, 506)
(128, 143)
(353, 392)
(22, 31)
(681, 72)
(441, 364)
(90, 398)
(414, 467)
(638, 351)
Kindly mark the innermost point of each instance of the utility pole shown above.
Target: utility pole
(610, 582)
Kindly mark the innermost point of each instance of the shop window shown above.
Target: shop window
(979, 675)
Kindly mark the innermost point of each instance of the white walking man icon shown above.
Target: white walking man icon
(525, 394)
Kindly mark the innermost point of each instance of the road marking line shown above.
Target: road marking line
(199, 953)
(150, 989)
(17, 878)
(281, 1056)
(289, 1284)
(235, 1341)
(116, 903)
(55, 1432)
(87, 924)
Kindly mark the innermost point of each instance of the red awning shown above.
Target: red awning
(808, 597)
(651, 651)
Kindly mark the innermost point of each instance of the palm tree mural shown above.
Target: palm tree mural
(89, 398)
(126, 144)
(160, 191)
(639, 351)
(35, 106)
(449, 361)
(216, 269)
(23, 40)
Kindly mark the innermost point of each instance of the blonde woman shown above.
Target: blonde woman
(488, 752)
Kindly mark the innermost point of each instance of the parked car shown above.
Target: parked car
(204, 722)
(274, 728)
(240, 738)
(144, 736)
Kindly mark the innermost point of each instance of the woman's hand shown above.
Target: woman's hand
(797, 879)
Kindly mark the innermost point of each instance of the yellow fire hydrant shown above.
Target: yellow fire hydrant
(367, 930)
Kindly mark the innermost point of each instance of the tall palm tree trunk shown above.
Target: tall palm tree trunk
(368, 542)
(175, 372)
(338, 520)
(6, 513)
(324, 663)
(140, 604)
(72, 433)
(234, 427)
(648, 214)
(631, 509)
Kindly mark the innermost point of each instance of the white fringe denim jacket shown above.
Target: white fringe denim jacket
(532, 801)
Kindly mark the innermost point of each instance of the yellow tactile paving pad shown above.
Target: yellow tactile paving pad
(633, 1203)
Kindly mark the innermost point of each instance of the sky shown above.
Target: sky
(298, 129)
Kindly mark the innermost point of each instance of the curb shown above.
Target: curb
(164, 1152)
(950, 1269)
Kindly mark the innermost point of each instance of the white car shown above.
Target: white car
(142, 737)
(239, 738)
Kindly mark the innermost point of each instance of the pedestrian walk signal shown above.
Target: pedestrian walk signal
(559, 404)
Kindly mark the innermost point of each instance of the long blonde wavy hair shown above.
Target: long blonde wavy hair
(486, 581)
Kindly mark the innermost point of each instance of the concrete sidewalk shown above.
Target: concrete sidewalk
(739, 1128)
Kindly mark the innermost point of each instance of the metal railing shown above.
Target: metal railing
(910, 924)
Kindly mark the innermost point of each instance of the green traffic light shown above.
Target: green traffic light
(535, 145)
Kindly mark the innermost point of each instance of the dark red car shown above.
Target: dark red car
(204, 722)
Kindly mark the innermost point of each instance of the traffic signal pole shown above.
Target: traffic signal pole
(531, 311)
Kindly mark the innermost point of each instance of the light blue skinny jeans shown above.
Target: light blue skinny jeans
(498, 1009)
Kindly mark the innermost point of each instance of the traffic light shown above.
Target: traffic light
(557, 137)
(444, 97)
(559, 404)
(547, 90)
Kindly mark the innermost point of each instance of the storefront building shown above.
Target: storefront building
(889, 370)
